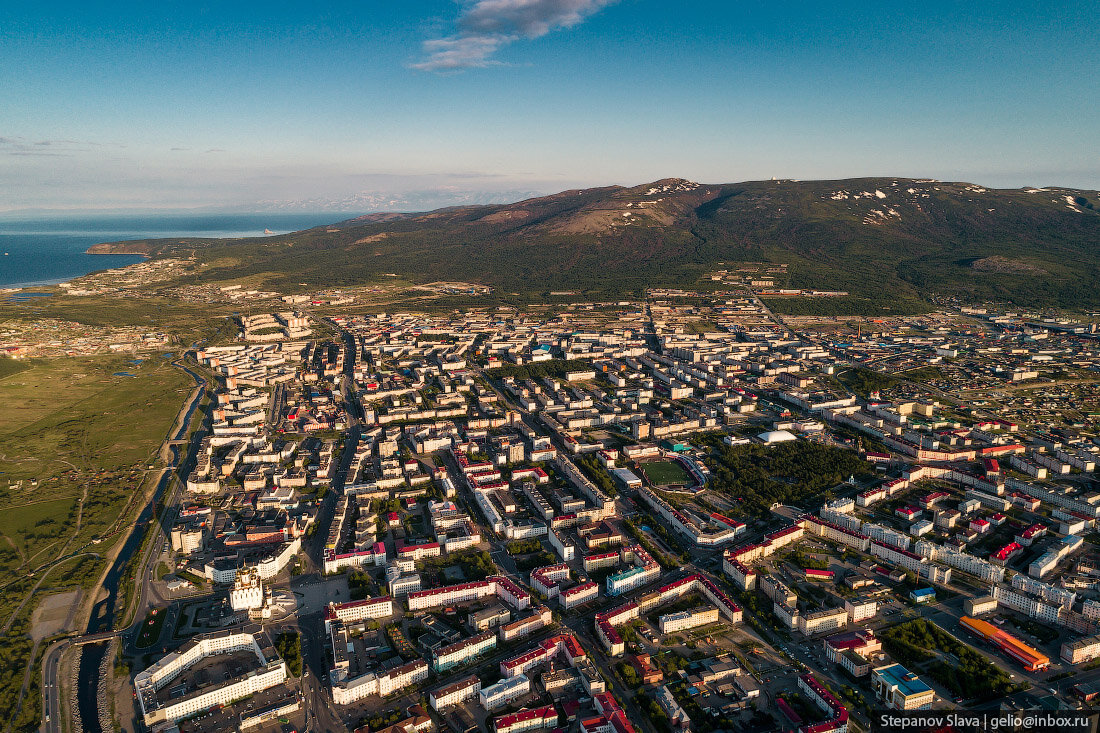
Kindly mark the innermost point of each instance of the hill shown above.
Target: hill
(891, 243)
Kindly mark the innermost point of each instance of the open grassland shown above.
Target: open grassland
(66, 418)
(77, 439)
(11, 366)
(31, 530)
(76, 442)
(187, 322)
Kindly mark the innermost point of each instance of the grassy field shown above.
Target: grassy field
(666, 473)
(33, 528)
(76, 440)
(65, 418)
(189, 322)
(9, 366)
(150, 628)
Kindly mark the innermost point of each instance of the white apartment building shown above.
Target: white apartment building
(347, 690)
(272, 671)
(455, 693)
(1081, 650)
(859, 609)
(673, 622)
(356, 611)
(500, 694)
(821, 621)
(500, 586)
(463, 651)
(579, 595)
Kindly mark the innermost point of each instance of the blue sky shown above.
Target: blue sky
(190, 104)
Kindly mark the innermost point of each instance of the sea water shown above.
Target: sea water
(46, 251)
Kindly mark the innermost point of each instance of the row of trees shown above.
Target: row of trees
(289, 646)
(864, 381)
(597, 474)
(523, 547)
(475, 564)
(554, 368)
(803, 560)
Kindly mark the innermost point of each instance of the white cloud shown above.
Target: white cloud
(485, 26)
(460, 52)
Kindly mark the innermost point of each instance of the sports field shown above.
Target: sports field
(666, 473)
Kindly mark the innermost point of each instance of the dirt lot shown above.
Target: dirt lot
(52, 615)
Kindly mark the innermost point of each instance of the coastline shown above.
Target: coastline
(45, 252)
(112, 248)
(55, 281)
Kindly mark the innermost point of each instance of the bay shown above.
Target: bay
(50, 250)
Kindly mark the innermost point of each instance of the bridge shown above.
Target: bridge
(93, 638)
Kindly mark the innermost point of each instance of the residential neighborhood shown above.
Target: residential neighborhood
(505, 521)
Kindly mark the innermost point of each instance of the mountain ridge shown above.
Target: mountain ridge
(878, 238)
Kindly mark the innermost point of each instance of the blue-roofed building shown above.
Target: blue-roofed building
(900, 689)
(923, 595)
(626, 580)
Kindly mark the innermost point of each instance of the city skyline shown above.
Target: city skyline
(197, 107)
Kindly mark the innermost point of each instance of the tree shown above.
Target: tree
(289, 646)
(629, 675)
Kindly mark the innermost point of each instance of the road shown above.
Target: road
(51, 697)
(322, 713)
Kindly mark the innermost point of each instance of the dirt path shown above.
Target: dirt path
(79, 521)
(43, 549)
(22, 558)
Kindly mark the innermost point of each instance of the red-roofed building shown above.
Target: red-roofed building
(837, 721)
(578, 595)
(563, 520)
(788, 712)
(1031, 534)
(814, 574)
(355, 611)
(566, 644)
(601, 560)
(1006, 553)
(929, 500)
(649, 674)
(525, 720)
(612, 718)
(497, 585)
(908, 512)
(546, 579)
(981, 526)
(731, 523)
(1003, 450)
(417, 552)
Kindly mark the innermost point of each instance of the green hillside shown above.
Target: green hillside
(890, 242)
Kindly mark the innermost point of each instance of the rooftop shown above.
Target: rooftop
(905, 681)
